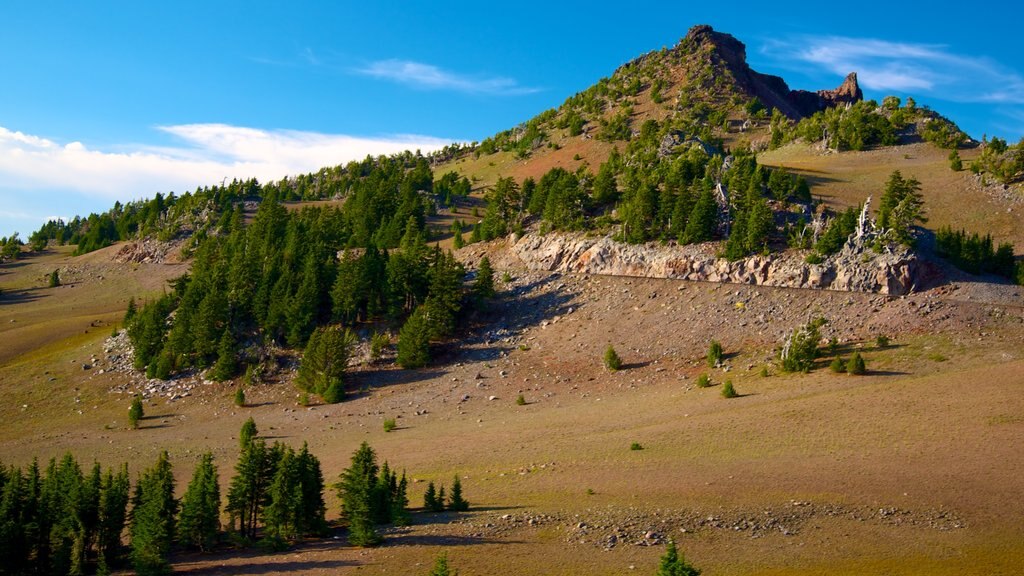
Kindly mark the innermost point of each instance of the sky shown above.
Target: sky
(107, 101)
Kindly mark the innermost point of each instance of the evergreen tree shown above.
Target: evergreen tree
(54, 279)
(247, 434)
(130, 312)
(248, 492)
(356, 488)
(113, 511)
(484, 285)
(227, 365)
(414, 341)
(611, 359)
(857, 365)
(199, 522)
(135, 412)
(285, 500)
(714, 356)
(325, 360)
(240, 397)
(901, 208)
(430, 498)
(703, 220)
(456, 503)
(312, 510)
(153, 512)
(673, 563)
(441, 567)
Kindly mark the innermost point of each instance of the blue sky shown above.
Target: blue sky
(105, 101)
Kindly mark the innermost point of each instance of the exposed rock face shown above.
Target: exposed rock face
(852, 269)
(772, 90)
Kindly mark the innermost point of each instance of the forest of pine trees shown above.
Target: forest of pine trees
(302, 279)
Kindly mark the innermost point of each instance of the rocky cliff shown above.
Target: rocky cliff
(772, 90)
(852, 269)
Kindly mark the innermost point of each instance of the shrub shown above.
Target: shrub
(389, 424)
(240, 397)
(304, 399)
(520, 400)
(703, 381)
(611, 359)
(54, 279)
(856, 365)
(801, 347)
(882, 341)
(764, 372)
(135, 412)
(714, 354)
(378, 342)
(838, 366)
(635, 446)
(728, 391)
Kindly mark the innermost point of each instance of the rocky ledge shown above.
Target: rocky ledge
(854, 268)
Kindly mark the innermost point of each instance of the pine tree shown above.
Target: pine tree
(285, 500)
(113, 511)
(324, 362)
(356, 488)
(248, 492)
(673, 564)
(199, 522)
(247, 434)
(714, 354)
(728, 391)
(703, 221)
(484, 285)
(611, 359)
(455, 501)
(135, 412)
(54, 279)
(153, 512)
(312, 510)
(857, 365)
(441, 567)
(227, 363)
(414, 341)
(240, 397)
(130, 312)
(430, 497)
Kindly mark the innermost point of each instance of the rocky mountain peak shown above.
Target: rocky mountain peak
(772, 90)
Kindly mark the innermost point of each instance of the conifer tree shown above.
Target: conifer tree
(441, 567)
(135, 412)
(312, 510)
(703, 221)
(456, 502)
(248, 493)
(247, 434)
(611, 359)
(414, 341)
(356, 488)
(240, 397)
(430, 497)
(113, 511)
(153, 512)
(227, 364)
(673, 563)
(199, 522)
(324, 362)
(285, 499)
(857, 366)
(484, 285)
(54, 279)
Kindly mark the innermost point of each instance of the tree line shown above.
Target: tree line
(61, 520)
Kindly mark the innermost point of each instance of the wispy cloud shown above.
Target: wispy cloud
(430, 77)
(32, 167)
(905, 67)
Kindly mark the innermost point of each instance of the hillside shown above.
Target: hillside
(666, 208)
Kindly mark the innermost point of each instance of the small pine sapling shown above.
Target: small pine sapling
(714, 354)
(135, 412)
(456, 502)
(240, 397)
(838, 365)
(703, 381)
(857, 365)
(611, 359)
(728, 391)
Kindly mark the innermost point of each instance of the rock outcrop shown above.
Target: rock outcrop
(772, 90)
(852, 269)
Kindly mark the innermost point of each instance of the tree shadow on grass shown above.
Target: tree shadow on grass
(20, 296)
(254, 562)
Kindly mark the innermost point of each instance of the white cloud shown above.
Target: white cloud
(209, 153)
(428, 76)
(906, 67)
